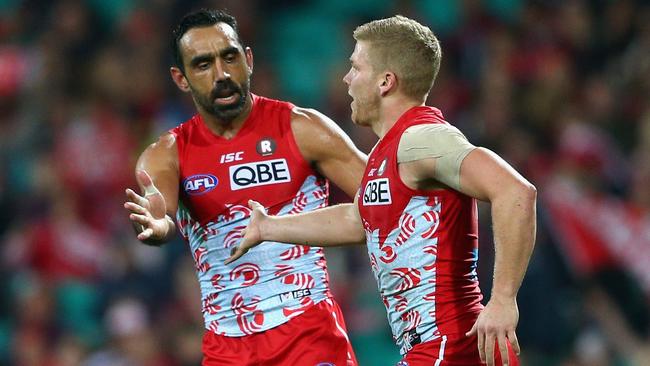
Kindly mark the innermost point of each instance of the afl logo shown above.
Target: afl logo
(199, 184)
(266, 147)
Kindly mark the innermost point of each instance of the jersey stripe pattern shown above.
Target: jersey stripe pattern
(273, 282)
(423, 245)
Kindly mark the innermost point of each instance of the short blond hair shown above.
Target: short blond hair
(405, 47)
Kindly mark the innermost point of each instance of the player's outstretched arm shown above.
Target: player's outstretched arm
(151, 211)
(486, 176)
(330, 226)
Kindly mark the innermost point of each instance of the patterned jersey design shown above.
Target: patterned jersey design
(260, 293)
(423, 245)
(273, 282)
(405, 275)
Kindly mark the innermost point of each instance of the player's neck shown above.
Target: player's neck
(227, 128)
(390, 110)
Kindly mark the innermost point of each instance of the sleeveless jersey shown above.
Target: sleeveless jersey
(274, 282)
(423, 245)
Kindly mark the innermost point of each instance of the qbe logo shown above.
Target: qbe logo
(377, 192)
(259, 174)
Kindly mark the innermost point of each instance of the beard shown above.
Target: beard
(225, 88)
(365, 110)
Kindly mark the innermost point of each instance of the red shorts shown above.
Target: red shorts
(452, 350)
(315, 338)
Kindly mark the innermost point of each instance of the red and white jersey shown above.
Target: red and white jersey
(423, 245)
(273, 282)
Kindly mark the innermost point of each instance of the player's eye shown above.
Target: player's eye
(230, 57)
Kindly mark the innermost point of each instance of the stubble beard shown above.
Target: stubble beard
(365, 111)
(224, 113)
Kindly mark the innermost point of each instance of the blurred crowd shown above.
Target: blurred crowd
(561, 89)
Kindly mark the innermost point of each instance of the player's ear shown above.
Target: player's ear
(179, 79)
(249, 59)
(387, 83)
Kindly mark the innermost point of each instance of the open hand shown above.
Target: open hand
(252, 235)
(148, 211)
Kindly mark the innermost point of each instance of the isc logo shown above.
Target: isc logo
(230, 157)
(259, 174)
(296, 294)
(200, 184)
(377, 192)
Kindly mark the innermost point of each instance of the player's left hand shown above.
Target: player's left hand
(497, 324)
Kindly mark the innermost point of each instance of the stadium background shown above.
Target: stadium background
(561, 89)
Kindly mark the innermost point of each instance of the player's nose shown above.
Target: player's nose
(346, 78)
(220, 72)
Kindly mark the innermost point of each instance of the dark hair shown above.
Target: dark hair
(196, 19)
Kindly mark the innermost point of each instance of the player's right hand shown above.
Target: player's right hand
(495, 326)
(252, 235)
(148, 212)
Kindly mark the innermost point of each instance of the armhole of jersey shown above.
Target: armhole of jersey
(179, 150)
(291, 138)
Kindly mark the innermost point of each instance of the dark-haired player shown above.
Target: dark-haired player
(274, 308)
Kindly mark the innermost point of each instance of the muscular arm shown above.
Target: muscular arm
(482, 174)
(485, 176)
(157, 176)
(330, 226)
(325, 145)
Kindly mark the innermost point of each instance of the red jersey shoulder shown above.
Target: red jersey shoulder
(268, 103)
(271, 116)
(184, 129)
(377, 188)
